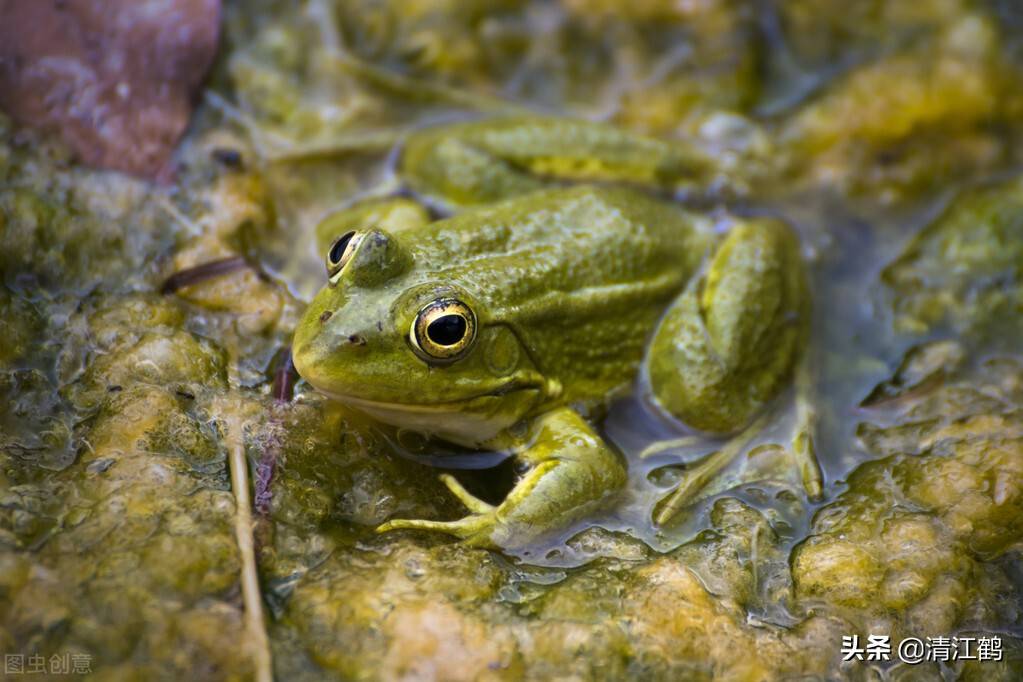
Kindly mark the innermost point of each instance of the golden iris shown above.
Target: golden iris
(340, 252)
(444, 330)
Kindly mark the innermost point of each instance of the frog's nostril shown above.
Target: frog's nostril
(357, 340)
(325, 316)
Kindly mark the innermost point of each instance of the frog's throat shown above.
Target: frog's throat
(535, 386)
(431, 408)
(469, 421)
(531, 395)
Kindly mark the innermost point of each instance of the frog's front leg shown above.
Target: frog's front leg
(572, 471)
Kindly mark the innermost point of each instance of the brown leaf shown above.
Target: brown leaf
(116, 79)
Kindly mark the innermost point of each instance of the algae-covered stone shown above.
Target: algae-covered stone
(116, 531)
(234, 216)
(922, 368)
(821, 32)
(966, 267)
(911, 543)
(914, 117)
(133, 557)
(649, 64)
(397, 609)
(22, 324)
(179, 360)
(715, 63)
(58, 221)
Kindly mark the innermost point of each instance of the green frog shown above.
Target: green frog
(564, 275)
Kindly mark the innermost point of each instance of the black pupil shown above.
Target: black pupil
(339, 247)
(447, 330)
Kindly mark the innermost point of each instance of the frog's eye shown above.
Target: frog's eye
(341, 251)
(443, 331)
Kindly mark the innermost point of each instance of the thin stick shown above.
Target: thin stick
(251, 596)
(202, 272)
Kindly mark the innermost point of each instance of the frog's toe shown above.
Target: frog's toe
(474, 529)
(471, 502)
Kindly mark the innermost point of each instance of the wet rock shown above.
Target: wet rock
(887, 127)
(910, 543)
(115, 80)
(966, 267)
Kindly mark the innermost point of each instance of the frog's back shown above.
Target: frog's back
(580, 274)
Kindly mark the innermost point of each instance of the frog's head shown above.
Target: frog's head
(393, 339)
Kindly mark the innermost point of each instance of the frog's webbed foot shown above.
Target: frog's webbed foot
(802, 451)
(475, 529)
(471, 502)
(697, 478)
(571, 471)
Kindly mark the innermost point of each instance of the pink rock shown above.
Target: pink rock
(116, 79)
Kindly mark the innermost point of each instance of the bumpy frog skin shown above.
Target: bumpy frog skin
(498, 328)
